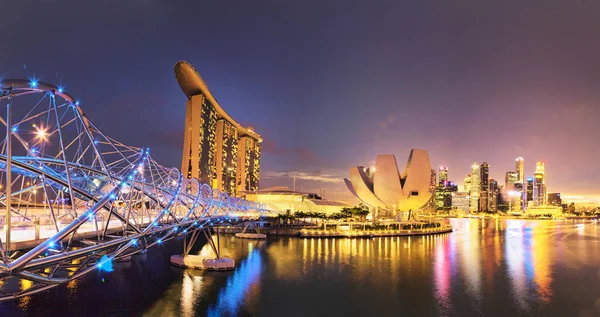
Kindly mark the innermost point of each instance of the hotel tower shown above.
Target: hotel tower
(216, 149)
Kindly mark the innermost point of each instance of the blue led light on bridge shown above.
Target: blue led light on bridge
(14, 129)
(159, 241)
(51, 244)
(105, 264)
(60, 89)
(134, 242)
(33, 83)
(77, 102)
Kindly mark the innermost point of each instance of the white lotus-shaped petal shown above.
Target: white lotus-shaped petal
(390, 190)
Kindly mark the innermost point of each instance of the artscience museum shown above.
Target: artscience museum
(386, 191)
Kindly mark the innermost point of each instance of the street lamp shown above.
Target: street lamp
(41, 134)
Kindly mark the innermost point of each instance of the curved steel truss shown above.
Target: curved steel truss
(79, 199)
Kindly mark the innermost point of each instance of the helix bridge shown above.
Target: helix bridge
(73, 199)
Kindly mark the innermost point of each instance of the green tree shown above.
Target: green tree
(361, 211)
(347, 212)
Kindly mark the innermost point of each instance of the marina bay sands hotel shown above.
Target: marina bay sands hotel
(217, 150)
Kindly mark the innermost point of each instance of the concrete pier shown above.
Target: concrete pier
(249, 235)
(203, 263)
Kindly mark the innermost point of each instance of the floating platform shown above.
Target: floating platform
(202, 263)
(246, 235)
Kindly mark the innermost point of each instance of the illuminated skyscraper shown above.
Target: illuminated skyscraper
(200, 140)
(538, 189)
(510, 180)
(444, 190)
(443, 175)
(494, 192)
(539, 184)
(248, 163)
(475, 188)
(226, 156)
(520, 169)
(513, 191)
(519, 194)
(520, 183)
(529, 190)
(484, 177)
(444, 195)
(467, 184)
(216, 149)
(484, 173)
(461, 201)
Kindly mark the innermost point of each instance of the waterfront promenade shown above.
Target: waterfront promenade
(317, 233)
(26, 235)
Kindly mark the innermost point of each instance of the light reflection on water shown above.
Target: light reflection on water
(232, 294)
(485, 267)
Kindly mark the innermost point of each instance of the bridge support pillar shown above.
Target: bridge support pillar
(199, 262)
(37, 228)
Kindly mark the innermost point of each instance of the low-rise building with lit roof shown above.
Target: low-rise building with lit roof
(283, 200)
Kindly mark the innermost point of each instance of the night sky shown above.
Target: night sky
(331, 84)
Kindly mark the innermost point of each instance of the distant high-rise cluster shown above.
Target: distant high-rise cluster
(481, 193)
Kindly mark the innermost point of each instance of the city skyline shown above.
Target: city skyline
(308, 158)
(446, 81)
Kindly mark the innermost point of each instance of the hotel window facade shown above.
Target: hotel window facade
(216, 149)
(227, 156)
(249, 164)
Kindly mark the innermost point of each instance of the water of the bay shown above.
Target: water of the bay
(484, 268)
